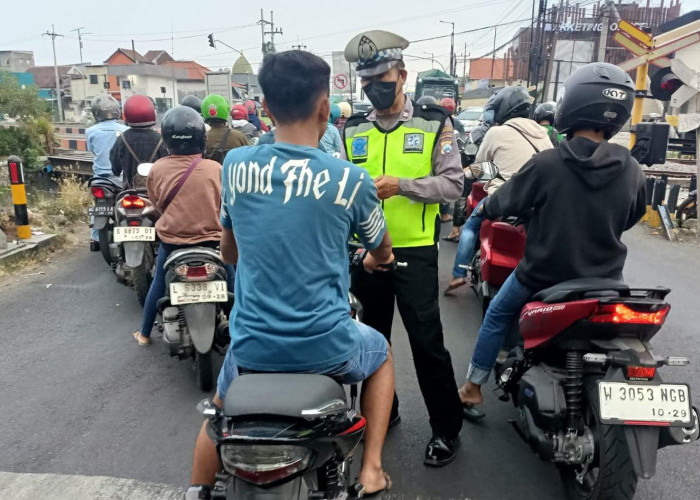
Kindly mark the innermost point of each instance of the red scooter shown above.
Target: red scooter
(587, 386)
(501, 243)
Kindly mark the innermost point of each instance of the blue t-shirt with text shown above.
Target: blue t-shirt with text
(292, 209)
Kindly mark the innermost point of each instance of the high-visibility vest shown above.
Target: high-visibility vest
(406, 152)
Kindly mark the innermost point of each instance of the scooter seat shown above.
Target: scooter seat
(582, 288)
(192, 253)
(281, 394)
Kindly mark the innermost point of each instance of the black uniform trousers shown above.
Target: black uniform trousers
(416, 290)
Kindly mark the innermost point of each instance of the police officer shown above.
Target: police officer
(220, 138)
(411, 153)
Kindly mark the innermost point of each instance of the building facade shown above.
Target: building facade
(16, 61)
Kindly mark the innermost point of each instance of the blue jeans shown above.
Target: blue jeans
(157, 289)
(467, 242)
(372, 354)
(504, 308)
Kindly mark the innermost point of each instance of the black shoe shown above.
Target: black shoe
(441, 451)
(94, 246)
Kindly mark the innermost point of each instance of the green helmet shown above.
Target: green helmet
(215, 106)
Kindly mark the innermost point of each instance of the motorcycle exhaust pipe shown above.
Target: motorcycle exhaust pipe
(680, 435)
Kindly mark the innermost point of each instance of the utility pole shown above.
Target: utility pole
(267, 49)
(453, 68)
(80, 45)
(53, 36)
(603, 42)
(299, 46)
(432, 58)
(493, 55)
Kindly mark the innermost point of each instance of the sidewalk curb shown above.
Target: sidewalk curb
(22, 248)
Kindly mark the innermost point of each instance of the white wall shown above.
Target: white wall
(150, 86)
(76, 85)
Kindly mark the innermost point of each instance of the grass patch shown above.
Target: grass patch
(27, 263)
(71, 202)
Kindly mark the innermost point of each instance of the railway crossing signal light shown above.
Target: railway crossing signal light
(211, 40)
(664, 83)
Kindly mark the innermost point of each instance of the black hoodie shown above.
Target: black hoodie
(582, 196)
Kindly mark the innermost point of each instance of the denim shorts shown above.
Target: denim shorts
(372, 354)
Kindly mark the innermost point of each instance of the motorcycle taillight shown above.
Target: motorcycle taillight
(196, 273)
(97, 192)
(264, 464)
(621, 314)
(133, 201)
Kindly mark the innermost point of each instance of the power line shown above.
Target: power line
(470, 31)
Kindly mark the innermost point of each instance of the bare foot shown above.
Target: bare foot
(374, 480)
(471, 394)
(456, 283)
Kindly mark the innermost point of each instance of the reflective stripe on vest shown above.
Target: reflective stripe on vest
(405, 152)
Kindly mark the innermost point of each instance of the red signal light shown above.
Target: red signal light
(645, 372)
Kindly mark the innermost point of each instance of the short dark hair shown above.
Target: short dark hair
(291, 82)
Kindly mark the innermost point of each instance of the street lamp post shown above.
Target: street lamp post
(452, 47)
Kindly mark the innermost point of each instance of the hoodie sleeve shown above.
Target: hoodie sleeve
(516, 196)
(639, 208)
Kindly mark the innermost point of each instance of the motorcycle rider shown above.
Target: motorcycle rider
(192, 101)
(220, 138)
(582, 196)
(139, 144)
(331, 142)
(509, 145)
(449, 105)
(239, 121)
(190, 214)
(345, 112)
(253, 117)
(305, 326)
(544, 115)
(411, 153)
(100, 138)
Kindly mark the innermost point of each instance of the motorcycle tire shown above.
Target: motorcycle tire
(105, 237)
(142, 275)
(687, 210)
(611, 475)
(205, 371)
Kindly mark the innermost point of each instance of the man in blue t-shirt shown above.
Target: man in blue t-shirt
(291, 312)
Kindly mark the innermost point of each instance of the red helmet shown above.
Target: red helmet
(139, 111)
(239, 112)
(449, 104)
(250, 106)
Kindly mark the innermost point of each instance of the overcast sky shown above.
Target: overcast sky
(322, 25)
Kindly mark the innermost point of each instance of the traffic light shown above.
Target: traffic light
(211, 40)
(664, 83)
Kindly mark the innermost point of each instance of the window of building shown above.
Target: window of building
(93, 79)
(126, 84)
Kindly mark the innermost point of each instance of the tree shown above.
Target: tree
(18, 102)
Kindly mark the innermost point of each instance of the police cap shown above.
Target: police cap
(375, 51)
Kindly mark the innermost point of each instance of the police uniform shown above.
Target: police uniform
(419, 148)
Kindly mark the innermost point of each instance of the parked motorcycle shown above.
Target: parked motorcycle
(195, 309)
(135, 243)
(588, 388)
(688, 209)
(288, 436)
(104, 191)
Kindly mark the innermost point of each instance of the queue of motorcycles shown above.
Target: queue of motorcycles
(582, 372)
(194, 310)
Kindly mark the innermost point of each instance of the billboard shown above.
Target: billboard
(219, 82)
(569, 55)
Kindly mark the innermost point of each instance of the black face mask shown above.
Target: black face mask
(381, 94)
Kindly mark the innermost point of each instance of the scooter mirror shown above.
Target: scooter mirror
(206, 408)
(483, 171)
(144, 168)
(471, 149)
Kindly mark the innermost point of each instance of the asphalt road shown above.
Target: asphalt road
(80, 397)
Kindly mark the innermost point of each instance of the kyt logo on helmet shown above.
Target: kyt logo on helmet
(619, 95)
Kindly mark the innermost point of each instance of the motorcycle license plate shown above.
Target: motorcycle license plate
(105, 210)
(134, 233)
(639, 404)
(193, 293)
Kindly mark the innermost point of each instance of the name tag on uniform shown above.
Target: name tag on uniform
(413, 143)
(359, 146)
